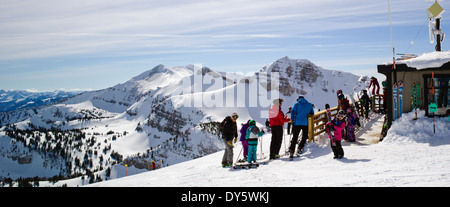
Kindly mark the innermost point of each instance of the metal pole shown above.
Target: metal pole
(438, 36)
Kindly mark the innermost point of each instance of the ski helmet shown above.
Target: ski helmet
(234, 115)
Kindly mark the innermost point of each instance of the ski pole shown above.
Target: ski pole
(262, 153)
(290, 140)
(239, 155)
(260, 148)
(284, 140)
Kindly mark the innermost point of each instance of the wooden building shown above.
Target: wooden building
(419, 70)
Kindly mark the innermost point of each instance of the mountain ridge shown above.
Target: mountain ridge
(11, 100)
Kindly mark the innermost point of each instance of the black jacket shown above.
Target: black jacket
(229, 129)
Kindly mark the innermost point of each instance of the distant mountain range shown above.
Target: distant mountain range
(11, 100)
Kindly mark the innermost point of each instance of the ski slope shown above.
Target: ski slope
(410, 155)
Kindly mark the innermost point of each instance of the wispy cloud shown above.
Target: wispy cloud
(179, 29)
(35, 29)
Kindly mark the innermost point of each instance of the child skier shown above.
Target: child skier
(252, 135)
(352, 120)
(244, 140)
(337, 124)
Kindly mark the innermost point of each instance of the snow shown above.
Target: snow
(11, 168)
(410, 155)
(427, 60)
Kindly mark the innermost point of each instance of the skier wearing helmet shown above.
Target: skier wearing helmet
(229, 131)
(251, 136)
(338, 124)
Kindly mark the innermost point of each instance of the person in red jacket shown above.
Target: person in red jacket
(374, 82)
(277, 120)
(153, 165)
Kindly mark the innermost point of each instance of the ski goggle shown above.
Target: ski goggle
(235, 117)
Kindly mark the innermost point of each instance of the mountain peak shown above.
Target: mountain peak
(295, 69)
(286, 63)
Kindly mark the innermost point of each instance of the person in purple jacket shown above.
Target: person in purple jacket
(243, 140)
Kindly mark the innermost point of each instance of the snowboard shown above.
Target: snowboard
(384, 129)
(400, 98)
(414, 99)
(394, 94)
(417, 95)
(357, 109)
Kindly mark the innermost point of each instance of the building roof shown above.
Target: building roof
(426, 60)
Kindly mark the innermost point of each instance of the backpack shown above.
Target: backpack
(253, 136)
(255, 130)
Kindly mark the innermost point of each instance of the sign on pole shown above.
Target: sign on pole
(432, 107)
(435, 11)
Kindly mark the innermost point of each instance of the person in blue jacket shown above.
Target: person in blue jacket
(299, 116)
(252, 135)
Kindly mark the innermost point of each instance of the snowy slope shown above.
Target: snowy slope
(410, 155)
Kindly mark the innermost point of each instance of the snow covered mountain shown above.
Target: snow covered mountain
(316, 84)
(11, 100)
(167, 114)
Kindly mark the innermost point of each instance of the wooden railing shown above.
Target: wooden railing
(376, 102)
(317, 122)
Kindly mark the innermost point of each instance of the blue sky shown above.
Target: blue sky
(60, 44)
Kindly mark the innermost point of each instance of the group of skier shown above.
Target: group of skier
(250, 132)
(341, 127)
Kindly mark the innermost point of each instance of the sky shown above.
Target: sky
(51, 45)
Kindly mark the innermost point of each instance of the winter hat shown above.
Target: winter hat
(234, 115)
(252, 122)
(277, 101)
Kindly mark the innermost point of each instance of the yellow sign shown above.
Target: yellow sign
(435, 10)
